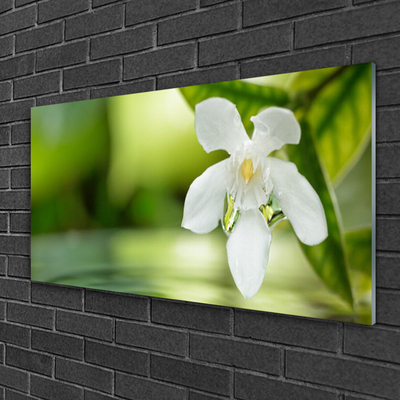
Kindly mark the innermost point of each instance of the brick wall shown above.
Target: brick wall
(68, 343)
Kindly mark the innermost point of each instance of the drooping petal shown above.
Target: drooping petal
(248, 252)
(219, 126)
(274, 127)
(204, 203)
(299, 201)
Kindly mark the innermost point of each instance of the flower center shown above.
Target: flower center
(247, 170)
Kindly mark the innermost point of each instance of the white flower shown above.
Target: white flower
(249, 177)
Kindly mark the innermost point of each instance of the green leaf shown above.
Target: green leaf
(339, 112)
(358, 244)
(248, 98)
(328, 259)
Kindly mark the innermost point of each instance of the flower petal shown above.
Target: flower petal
(299, 201)
(248, 252)
(275, 127)
(204, 203)
(218, 125)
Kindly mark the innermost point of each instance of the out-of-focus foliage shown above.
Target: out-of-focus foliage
(109, 178)
(338, 108)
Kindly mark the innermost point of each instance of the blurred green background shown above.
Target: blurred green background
(109, 178)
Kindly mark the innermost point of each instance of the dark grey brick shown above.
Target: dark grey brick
(131, 387)
(20, 222)
(195, 375)
(15, 111)
(14, 334)
(19, 245)
(144, 85)
(103, 20)
(56, 343)
(99, 3)
(31, 315)
(361, 2)
(359, 376)
(57, 295)
(13, 156)
(386, 92)
(349, 24)
(201, 396)
(193, 316)
(39, 37)
(205, 3)
(50, 389)
(17, 66)
(251, 387)
(3, 228)
(387, 308)
(199, 24)
(29, 360)
(6, 5)
(14, 200)
(19, 3)
(4, 138)
(386, 161)
(235, 353)
(117, 305)
(49, 10)
(19, 266)
(387, 272)
(117, 43)
(85, 375)
(383, 52)
(86, 325)
(14, 378)
(17, 20)
(2, 311)
(387, 122)
(198, 77)
(160, 61)
(287, 330)
(387, 195)
(388, 234)
(89, 395)
(20, 177)
(36, 85)
(245, 44)
(259, 11)
(321, 58)
(62, 56)
(3, 265)
(5, 91)
(12, 288)
(6, 46)
(13, 395)
(4, 178)
(66, 97)
(92, 74)
(146, 10)
(151, 337)
(379, 344)
(21, 133)
(122, 359)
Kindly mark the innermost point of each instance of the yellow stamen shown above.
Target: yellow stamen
(247, 169)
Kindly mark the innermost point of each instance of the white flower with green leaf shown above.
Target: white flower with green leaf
(243, 191)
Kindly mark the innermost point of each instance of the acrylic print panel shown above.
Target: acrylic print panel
(254, 194)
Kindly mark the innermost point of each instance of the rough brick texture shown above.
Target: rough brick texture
(59, 342)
